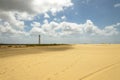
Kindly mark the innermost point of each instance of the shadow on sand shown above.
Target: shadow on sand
(9, 52)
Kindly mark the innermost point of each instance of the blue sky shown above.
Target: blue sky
(101, 12)
(68, 21)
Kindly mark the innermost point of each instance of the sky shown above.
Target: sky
(59, 21)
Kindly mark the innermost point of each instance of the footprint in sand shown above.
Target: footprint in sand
(1, 73)
(48, 78)
(97, 71)
(56, 74)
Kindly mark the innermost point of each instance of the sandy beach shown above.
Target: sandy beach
(65, 62)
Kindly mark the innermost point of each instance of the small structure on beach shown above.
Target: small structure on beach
(39, 39)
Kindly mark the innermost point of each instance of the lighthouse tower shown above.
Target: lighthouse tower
(39, 39)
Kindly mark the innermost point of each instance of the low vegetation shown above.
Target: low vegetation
(26, 45)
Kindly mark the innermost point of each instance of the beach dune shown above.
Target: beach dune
(64, 62)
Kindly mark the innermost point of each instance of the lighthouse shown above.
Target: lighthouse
(39, 39)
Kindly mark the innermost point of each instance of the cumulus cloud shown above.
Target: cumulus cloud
(11, 19)
(57, 19)
(63, 17)
(35, 24)
(45, 21)
(61, 29)
(34, 6)
(67, 28)
(117, 5)
(56, 29)
(46, 15)
(36, 31)
(27, 9)
(15, 12)
(7, 30)
(24, 16)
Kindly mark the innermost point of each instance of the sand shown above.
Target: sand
(70, 62)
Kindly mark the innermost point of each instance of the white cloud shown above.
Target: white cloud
(110, 30)
(46, 15)
(63, 17)
(12, 20)
(15, 12)
(45, 21)
(117, 5)
(55, 19)
(34, 6)
(24, 16)
(67, 28)
(62, 29)
(53, 6)
(58, 29)
(7, 30)
(36, 31)
(35, 24)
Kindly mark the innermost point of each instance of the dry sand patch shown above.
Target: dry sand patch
(75, 62)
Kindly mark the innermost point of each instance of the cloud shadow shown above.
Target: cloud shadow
(9, 52)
